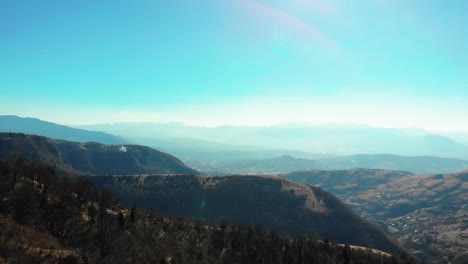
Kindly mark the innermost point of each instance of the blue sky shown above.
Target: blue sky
(392, 63)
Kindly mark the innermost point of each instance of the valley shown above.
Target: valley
(215, 164)
(328, 139)
(52, 219)
(394, 208)
(234, 132)
(426, 213)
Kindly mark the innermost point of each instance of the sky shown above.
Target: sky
(389, 63)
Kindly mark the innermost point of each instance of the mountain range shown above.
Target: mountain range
(273, 202)
(216, 158)
(287, 163)
(346, 182)
(407, 196)
(338, 140)
(94, 158)
(49, 219)
(10, 123)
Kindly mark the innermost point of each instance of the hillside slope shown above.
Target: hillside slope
(275, 165)
(345, 182)
(50, 219)
(414, 164)
(93, 158)
(35, 126)
(427, 212)
(287, 164)
(271, 201)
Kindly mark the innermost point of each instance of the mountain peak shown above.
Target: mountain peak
(91, 157)
(286, 157)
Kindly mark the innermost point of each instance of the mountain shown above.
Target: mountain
(185, 148)
(343, 139)
(274, 202)
(49, 219)
(281, 164)
(190, 144)
(460, 136)
(346, 182)
(199, 150)
(94, 158)
(426, 212)
(35, 126)
(414, 164)
(287, 163)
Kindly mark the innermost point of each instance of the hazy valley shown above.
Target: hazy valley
(426, 213)
(234, 132)
(334, 139)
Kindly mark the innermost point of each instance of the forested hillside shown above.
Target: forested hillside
(274, 202)
(45, 218)
(92, 158)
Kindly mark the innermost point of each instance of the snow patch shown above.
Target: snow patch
(123, 149)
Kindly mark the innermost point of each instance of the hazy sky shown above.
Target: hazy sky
(393, 63)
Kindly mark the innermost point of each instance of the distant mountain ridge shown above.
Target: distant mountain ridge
(338, 140)
(215, 158)
(95, 158)
(346, 182)
(414, 164)
(11, 123)
(281, 164)
(287, 164)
